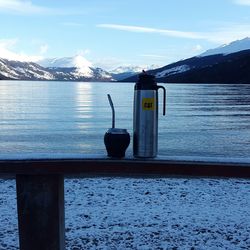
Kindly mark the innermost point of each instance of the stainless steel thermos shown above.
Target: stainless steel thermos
(145, 116)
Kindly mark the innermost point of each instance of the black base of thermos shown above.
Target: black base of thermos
(116, 142)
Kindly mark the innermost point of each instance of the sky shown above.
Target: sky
(112, 33)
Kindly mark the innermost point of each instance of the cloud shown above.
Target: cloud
(22, 7)
(197, 47)
(223, 34)
(242, 2)
(27, 7)
(6, 51)
(140, 29)
(108, 63)
(44, 48)
(8, 43)
(228, 33)
(84, 52)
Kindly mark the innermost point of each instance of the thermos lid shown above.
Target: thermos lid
(146, 82)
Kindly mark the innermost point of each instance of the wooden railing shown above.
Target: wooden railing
(40, 187)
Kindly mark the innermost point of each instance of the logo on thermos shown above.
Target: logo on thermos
(148, 103)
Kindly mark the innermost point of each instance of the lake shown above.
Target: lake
(202, 120)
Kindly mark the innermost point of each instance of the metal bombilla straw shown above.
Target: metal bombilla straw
(113, 110)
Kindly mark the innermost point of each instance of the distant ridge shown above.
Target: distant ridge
(226, 64)
(15, 70)
(233, 47)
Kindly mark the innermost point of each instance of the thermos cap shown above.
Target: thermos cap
(146, 82)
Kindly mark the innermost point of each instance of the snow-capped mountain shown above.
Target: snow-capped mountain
(232, 47)
(82, 65)
(126, 71)
(75, 68)
(67, 69)
(225, 64)
(23, 71)
(75, 74)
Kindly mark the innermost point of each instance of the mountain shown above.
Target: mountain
(225, 64)
(235, 46)
(23, 71)
(66, 69)
(78, 62)
(75, 68)
(123, 72)
(75, 74)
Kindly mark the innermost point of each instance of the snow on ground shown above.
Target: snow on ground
(8, 216)
(123, 213)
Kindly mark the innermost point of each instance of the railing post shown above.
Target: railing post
(40, 205)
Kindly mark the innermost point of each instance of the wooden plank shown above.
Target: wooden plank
(125, 167)
(40, 205)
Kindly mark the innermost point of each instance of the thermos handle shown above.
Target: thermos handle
(164, 98)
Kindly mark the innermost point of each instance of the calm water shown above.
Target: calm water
(72, 117)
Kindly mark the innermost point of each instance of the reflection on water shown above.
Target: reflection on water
(84, 101)
(84, 113)
(72, 117)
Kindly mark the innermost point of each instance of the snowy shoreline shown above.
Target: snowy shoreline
(160, 213)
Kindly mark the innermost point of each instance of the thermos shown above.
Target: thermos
(145, 116)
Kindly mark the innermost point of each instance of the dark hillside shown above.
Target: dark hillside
(231, 68)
